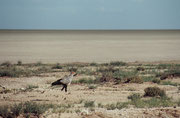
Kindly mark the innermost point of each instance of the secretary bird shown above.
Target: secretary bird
(65, 81)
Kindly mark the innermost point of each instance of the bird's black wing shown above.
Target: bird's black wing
(59, 81)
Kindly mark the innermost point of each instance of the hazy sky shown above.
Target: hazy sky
(89, 14)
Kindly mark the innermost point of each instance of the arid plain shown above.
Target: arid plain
(89, 46)
(121, 74)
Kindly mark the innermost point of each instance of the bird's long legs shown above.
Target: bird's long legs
(64, 87)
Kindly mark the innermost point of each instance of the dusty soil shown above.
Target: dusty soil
(104, 94)
(89, 46)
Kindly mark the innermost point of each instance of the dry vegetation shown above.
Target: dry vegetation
(115, 89)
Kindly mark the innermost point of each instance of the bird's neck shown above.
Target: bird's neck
(71, 76)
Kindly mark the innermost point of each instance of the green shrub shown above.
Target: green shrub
(10, 72)
(86, 81)
(153, 102)
(93, 64)
(163, 66)
(135, 79)
(148, 78)
(57, 66)
(117, 76)
(174, 72)
(37, 109)
(169, 83)
(4, 112)
(154, 91)
(19, 63)
(72, 69)
(5, 91)
(86, 72)
(39, 63)
(134, 96)
(14, 72)
(124, 74)
(104, 64)
(7, 64)
(92, 87)
(100, 105)
(159, 102)
(118, 105)
(28, 109)
(16, 109)
(77, 111)
(140, 69)
(111, 106)
(158, 81)
(89, 104)
(42, 69)
(122, 105)
(139, 103)
(118, 63)
(178, 102)
(104, 70)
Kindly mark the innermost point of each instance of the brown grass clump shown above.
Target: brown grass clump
(135, 79)
(154, 91)
(140, 69)
(171, 73)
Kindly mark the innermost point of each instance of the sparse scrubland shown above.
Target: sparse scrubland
(100, 90)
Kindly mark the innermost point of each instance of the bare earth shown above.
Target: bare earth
(89, 46)
(104, 94)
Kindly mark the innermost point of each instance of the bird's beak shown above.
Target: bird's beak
(75, 74)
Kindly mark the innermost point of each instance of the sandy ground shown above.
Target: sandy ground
(104, 94)
(89, 46)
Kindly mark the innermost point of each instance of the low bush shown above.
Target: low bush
(92, 87)
(118, 76)
(23, 108)
(135, 79)
(164, 66)
(86, 81)
(86, 72)
(5, 91)
(178, 102)
(35, 108)
(134, 96)
(4, 112)
(89, 104)
(19, 63)
(118, 105)
(175, 72)
(169, 83)
(111, 106)
(57, 66)
(7, 64)
(118, 63)
(148, 78)
(72, 69)
(39, 63)
(158, 81)
(154, 91)
(159, 102)
(93, 64)
(42, 69)
(16, 109)
(140, 69)
(14, 72)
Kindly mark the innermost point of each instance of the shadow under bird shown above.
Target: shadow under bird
(65, 81)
